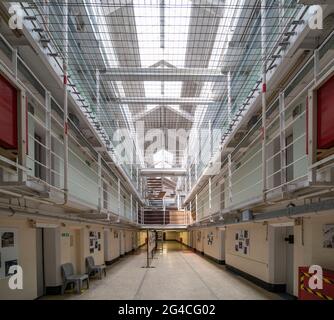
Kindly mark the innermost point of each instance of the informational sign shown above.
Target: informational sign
(242, 241)
(328, 233)
(94, 241)
(8, 250)
(210, 238)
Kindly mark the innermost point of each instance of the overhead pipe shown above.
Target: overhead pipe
(21, 196)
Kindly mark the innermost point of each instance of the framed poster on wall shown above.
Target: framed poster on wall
(94, 241)
(8, 250)
(242, 241)
(328, 236)
(210, 238)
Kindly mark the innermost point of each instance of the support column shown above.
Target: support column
(229, 98)
(22, 135)
(312, 135)
(229, 171)
(142, 215)
(196, 207)
(137, 178)
(316, 66)
(282, 140)
(14, 62)
(164, 209)
(48, 136)
(312, 108)
(264, 98)
(98, 106)
(65, 64)
(131, 204)
(100, 187)
(210, 194)
(119, 196)
(210, 139)
(137, 211)
(196, 167)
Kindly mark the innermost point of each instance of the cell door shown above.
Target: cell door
(289, 260)
(39, 262)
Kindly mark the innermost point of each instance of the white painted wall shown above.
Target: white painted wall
(217, 248)
(256, 262)
(26, 259)
(308, 248)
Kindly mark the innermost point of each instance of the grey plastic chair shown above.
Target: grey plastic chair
(69, 277)
(92, 269)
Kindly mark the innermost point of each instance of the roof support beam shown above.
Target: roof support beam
(166, 101)
(163, 74)
(181, 113)
(154, 172)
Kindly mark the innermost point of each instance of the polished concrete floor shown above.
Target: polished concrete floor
(178, 274)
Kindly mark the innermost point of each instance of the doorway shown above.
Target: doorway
(40, 262)
(289, 260)
(282, 252)
(121, 243)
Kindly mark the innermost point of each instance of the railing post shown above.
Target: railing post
(22, 136)
(264, 98)
(164, 209)
(14, 62)
(210, 194)
(196, 212)
(316, 66)
(48, 136)
(99, 173)
(119, 195)
(312, 135)
(282, 140)
(142, 215)
(98, 107)
(229, 97)
(229, 171)
(65, 65)
(313, 121)
(190, 209)
(131, 207)
(137, 178)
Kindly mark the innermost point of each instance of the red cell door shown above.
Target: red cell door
(8, 115)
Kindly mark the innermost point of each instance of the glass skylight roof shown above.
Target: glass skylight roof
(173, 64)
(162, 31)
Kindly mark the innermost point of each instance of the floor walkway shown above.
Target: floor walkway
(178, 273)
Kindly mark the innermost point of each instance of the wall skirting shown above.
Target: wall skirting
(109, 262)
(221, 262)
(272, 287)
(52, 291)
